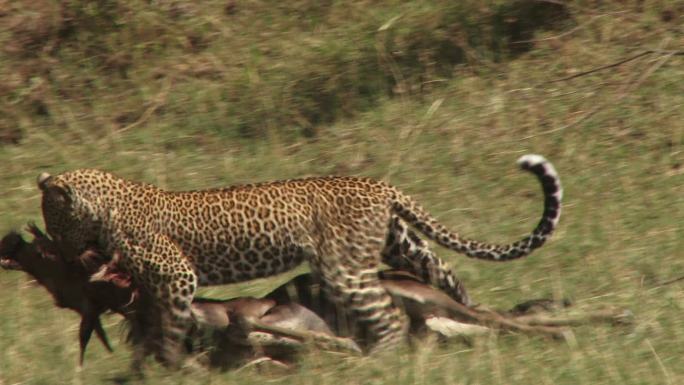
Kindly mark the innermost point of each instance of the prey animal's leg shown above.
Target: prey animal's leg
(404, 250)
(91, 322)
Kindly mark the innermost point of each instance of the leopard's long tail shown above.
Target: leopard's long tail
(411, 212)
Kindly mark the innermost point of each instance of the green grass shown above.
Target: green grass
(211, 97)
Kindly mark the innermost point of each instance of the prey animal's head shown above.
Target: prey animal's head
(12, 246)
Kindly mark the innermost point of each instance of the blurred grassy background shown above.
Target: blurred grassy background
(435, 97)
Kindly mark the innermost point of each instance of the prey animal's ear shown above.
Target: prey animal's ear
(10, 244)
(43, 180)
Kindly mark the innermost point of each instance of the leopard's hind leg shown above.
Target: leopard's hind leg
(380, 323)
(405, 250)
(349, 275)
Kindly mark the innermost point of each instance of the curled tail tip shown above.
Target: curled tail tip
(537, 164)
(530, 160)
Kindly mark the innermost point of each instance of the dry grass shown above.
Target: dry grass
(616, 137)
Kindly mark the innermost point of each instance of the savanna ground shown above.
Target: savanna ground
(436, 98)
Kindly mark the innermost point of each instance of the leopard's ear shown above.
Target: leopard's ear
(43, 180)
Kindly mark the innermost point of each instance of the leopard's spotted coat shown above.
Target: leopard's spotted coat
(344, 227)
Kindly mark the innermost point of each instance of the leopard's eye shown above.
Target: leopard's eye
(60, 195)
(60, 198)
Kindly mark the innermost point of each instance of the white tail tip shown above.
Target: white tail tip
(531, 160)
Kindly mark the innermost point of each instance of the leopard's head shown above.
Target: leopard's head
(68, 211)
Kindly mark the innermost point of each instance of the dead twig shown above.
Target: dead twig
(671, 281)
(615, 64)
(601, 68)
(629, 87)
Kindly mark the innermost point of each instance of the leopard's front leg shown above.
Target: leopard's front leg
(158, 266)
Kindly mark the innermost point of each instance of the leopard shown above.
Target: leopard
(344, 227)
